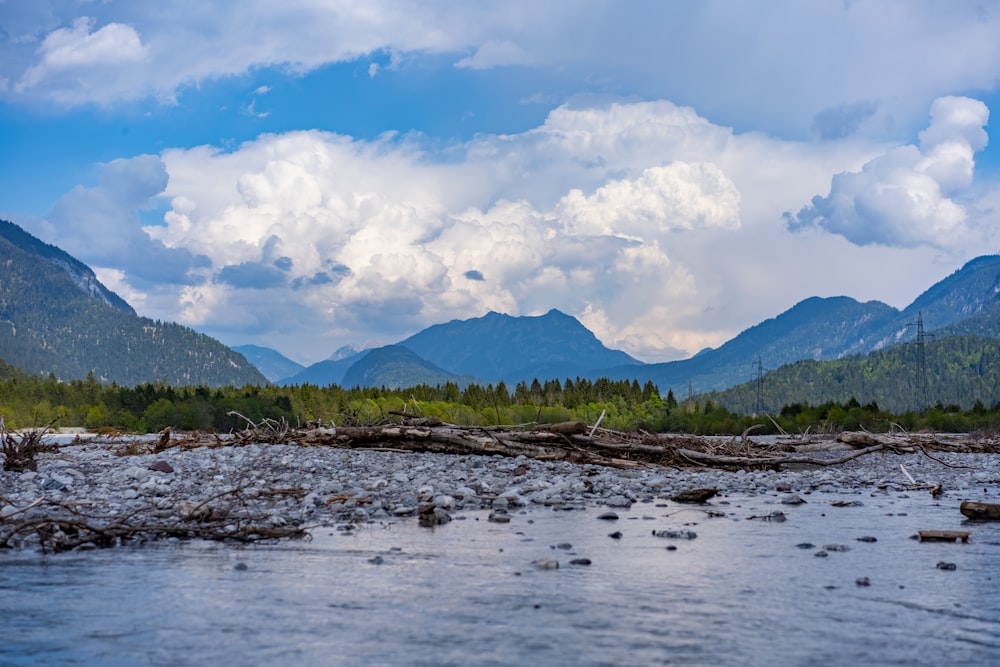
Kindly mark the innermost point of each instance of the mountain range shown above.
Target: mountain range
(499, 347)
(56, 317)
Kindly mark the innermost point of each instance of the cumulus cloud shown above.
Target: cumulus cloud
(79, 59)
(645, 220)
(100, 225)
(908, 195)
(578, 214)
(666, 198)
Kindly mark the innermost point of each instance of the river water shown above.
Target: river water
(470, 592)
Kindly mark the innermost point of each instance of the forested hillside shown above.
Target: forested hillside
(960, 371)
(49, 324)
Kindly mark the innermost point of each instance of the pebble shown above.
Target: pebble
(676, 534)
(335, 486)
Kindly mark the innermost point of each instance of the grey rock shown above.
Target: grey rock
(676, 534)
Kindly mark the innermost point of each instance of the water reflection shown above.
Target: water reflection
(467, 593)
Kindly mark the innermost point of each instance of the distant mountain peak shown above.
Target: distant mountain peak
(497, 347)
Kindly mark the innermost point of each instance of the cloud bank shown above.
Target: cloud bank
(908, 196)
(849, 74)
(643, 219)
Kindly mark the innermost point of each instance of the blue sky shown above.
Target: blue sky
(310, 175)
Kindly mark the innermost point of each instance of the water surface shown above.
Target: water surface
(468, 593)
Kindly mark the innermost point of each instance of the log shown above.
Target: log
(944, 535)
(570, 442)
(980, 511)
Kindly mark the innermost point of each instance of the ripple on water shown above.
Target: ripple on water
(741, 592)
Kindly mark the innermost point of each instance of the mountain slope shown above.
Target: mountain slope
(323, 373)
(81, 274)
(816, 328)
(395, 367)
(50, 324)
(273, 364)
(960, 370)
(502, 347)
(970, 292)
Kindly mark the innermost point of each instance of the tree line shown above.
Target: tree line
(29, 401)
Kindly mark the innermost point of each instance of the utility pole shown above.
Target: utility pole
(921, 360)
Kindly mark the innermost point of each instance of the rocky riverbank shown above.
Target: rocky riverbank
(272, 491)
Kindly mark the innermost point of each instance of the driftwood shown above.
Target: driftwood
(572, 442)
(980, 511)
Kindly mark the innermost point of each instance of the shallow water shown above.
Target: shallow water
(468, 593)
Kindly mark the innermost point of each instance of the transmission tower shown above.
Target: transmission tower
(921, 360)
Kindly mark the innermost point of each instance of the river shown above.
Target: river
(744, 591)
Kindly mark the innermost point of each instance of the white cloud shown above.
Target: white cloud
(904, 196)
(674, 197)
(100, 225)
(831, 68)
(659, 229)
(70, 57)
(603, 212)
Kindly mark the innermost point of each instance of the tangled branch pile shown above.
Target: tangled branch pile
(574, 442)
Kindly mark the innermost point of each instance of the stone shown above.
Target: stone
(608, 516)
(161, 466)
(617, 535)
(443, 501)
(580, 561)
(943, 565)
(676, 534)
(618, 501)
(547, 564)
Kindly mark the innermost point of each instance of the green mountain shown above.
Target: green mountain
(395, 367)
(965, 302)
(56, 317)
(970, 293)
(513, 349)
(816, 328)
(323, 373)
(960, 370)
